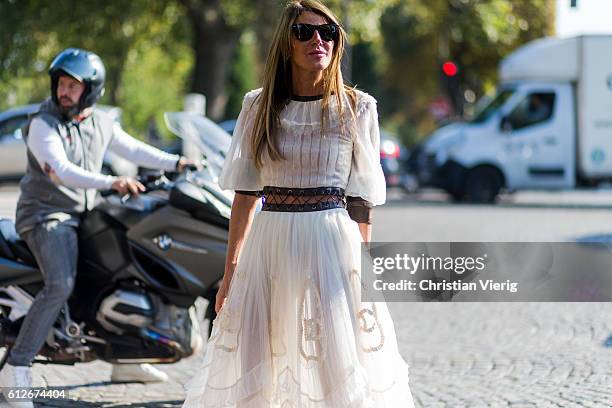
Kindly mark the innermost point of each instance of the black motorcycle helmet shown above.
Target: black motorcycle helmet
(85, 67)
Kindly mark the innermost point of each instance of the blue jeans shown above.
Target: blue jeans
(55, 247)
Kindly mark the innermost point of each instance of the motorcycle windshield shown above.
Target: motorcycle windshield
(212, 141)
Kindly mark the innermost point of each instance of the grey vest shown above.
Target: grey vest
(85, 144)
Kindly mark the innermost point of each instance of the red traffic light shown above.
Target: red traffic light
(449, 68)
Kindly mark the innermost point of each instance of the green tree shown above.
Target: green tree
(418, 35)
(216, 27)
(156, 51)
(242, 76)
(140, 42)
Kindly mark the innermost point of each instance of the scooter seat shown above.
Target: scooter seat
(17, 247)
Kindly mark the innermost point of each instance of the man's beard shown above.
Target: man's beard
(69, 111)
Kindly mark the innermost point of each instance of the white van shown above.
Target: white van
(548, 127)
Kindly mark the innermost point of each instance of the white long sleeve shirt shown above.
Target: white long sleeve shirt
(46, 145)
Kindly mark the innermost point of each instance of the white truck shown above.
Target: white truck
(548, 127)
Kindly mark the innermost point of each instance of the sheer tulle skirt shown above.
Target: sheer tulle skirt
(293, 331)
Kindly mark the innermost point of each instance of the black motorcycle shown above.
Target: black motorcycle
(144, 266)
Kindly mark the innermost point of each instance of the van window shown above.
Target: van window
(535, 108)
(490, 108)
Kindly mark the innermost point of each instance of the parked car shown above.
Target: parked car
(12, 149)
(13, 156)
(394, 161)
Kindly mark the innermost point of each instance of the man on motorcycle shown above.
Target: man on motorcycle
(67, 139)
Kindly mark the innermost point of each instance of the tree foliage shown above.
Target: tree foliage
(418, 36)
(155, 52)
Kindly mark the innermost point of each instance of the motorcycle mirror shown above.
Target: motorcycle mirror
(210, 139)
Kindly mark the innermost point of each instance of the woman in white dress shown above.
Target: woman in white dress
(292, 330)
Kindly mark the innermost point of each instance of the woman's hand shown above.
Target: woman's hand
(220, 299)
(243, 209)
(224, 288)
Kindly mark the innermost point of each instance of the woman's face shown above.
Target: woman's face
(314, 54)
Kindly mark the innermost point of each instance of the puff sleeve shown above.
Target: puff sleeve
(366, 178)
(239, 171)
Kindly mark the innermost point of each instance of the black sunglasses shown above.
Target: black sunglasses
(304, 32)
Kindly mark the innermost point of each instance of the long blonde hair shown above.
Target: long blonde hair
(277, 85)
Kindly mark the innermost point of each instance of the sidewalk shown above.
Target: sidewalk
(461, 355)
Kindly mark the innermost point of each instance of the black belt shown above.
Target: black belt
(287, 199)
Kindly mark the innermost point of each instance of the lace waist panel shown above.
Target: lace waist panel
(302, 199)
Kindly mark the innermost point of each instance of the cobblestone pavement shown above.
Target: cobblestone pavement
(468, 355)
(507, 354)
(461, 355)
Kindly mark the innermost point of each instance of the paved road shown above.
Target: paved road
(468, 355)
(533, 216)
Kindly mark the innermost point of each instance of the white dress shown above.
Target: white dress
(293, 331)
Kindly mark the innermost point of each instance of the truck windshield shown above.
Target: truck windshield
(489, 108)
